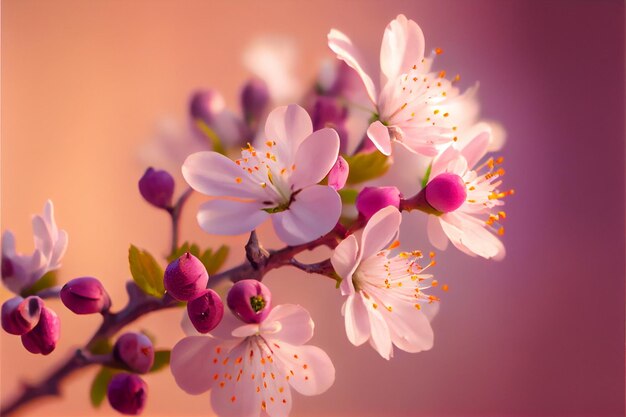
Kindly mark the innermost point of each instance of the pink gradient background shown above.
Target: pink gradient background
(539, 334)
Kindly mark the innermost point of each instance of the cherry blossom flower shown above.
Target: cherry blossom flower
(385, 299)
(415, 107)
(21, 271)
(470, 225)
(251, 368)
(277, 181)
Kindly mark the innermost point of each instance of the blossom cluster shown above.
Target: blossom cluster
(336, 170)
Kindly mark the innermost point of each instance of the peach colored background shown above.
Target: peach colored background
(85, 82)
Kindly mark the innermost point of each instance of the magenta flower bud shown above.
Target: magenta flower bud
(127, 393)
(205, 104)
(372, 199)
(157, 187)
(85, 295)
(327, 112)
(338, 174)
(446, 192)
(249, 300)
(206, 311)
(254, 99)
(45, 335)
(186, 278)
(19, 316)
(135, 351)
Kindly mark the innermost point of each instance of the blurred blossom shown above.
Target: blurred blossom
(327, 112)
(277, 181)
(251, 368)
(224, 127)
(45, 335)
(385, 302)
(185, 278)
(249, 300)
(254, 100)
(85, 295)
(205, 311)
(135, 350)
(21, 271)
(20, 315)
(157, 187)
(127, 393)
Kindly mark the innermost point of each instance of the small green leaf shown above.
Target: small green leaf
(427, 175)
(146, 271)
(161, 360)
(179, 252)
(195, 250)
(348, 195)
(99, 386)
(212, 136)
(213, 261)
(48, 280)
(366, 166)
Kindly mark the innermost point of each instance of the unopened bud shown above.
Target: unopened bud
(127, 393)
(135, 350)
(85, 295)
(157, 187)
(45, 335)
(205, 104)
(338, 174)
(206, 311)
(446, 192)
(249, 300)
(186, 278)
(20, 315)
(372, 199)
(254, 99)
(328, 112)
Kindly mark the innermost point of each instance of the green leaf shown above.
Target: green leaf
(195, 250)
(101, 347)
(179, 252)
(48, 280)
(99, 386)
(366, 166)
(146, 271)
(214, 261)
(427, 175)
(161, 360)
(348, 195)
(212, 136)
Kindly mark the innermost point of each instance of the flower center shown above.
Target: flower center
(257, 302)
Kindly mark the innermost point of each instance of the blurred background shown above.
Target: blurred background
(86, 85)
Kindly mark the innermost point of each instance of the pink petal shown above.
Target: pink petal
(409, 327)
(288, 126)
(380, 230)
(191, 363)
(313, 213)
(356, 320)
(296, 324)
(379, 135)
(342, 46)
(476, 148)
(345, 260)
(43, 237)
(401, 48)
(314, 158)
(380, 338)
(230, 217)
(225, 329)
(60, 246)
(470, 236)
(313, 370)
(436, 234)
(215, 175)
(338, 174)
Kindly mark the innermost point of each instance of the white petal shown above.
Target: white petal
(379, 231)
(345, 260)
(409, 327)
(356, 320)
(296, 325)
(401, 48)
(436, 234)
(314, 158)
(215, 175)
(288, 126)
(60, 246)
(379, 135)
(470, 236)
(313, 213)
(42, 235)
(476, 148)
(440, 163)
(191, 363)
(230, 217)
(380, 337)
(8, 243)
(313, 371)
(342, 46)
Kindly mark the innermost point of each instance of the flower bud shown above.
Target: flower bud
(135, 351)
(338, 174)
(205, 104)
(157, 187)
(186, 278)
(45, 335)
(446, 192)
(206, 311)
(254, 99)
(372, 199)
(249, 300)
(85, 295)
(127, 393)
(19, 315)
(327, 112)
